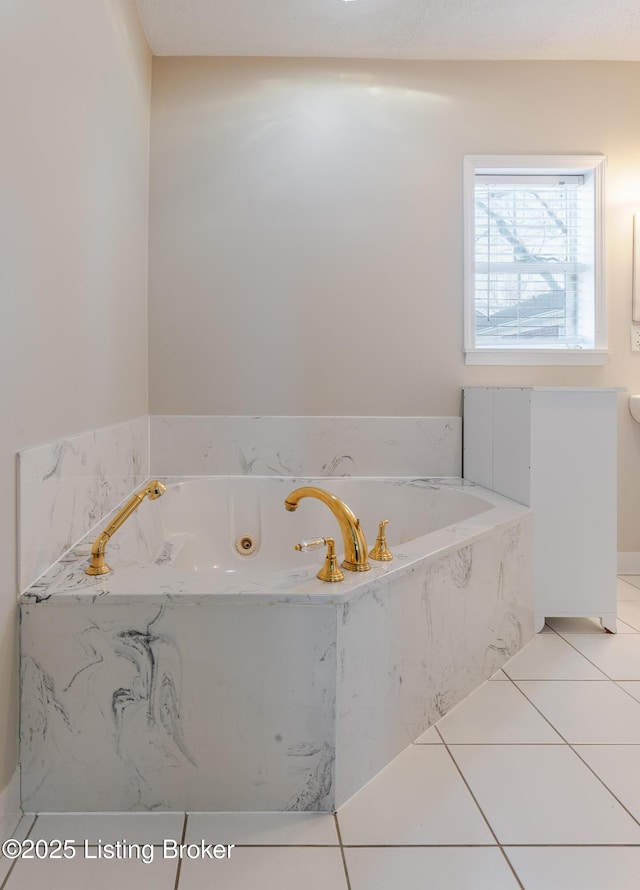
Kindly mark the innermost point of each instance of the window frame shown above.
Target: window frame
(533, 164)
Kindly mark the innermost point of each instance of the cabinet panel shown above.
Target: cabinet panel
(554, 449)
(512, 444)
(574, 501)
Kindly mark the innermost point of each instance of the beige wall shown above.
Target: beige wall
(75, 83)
(306, 230)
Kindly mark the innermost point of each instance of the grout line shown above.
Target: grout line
(624, 575)
(422, 846)
(544, 717)
(81, 845)
(5, 883)
(574, 846)
(605, 676)
(182, 840)
(291, 846)
(536, 744)
(602, 670)
(615, 680)
(558, 680)
(8, 875)
(477, 846)
(344, 858)
(505, 744)
(489, 826)
(586, 658)
(572, 748)
(604, 785)
(618, 682)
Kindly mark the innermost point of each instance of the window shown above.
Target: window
(534, 260)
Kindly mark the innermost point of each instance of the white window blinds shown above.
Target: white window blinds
(534, 244)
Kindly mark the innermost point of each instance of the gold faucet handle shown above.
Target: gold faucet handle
(330, 571)
(311, 544)
(380, 551)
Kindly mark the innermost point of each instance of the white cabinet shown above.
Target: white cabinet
(554, 450)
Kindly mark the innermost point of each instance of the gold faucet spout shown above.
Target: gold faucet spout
(98, 565)
(355, 544)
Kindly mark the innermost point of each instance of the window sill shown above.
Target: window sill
(536, 356)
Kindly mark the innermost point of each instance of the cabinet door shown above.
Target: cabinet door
(573, 466)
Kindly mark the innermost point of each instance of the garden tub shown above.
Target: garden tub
(205, 674)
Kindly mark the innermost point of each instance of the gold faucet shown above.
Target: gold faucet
(98, 566)
(355, 544)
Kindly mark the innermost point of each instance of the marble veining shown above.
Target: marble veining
(306, 446)
(66, 487)
(411, 648)
(131, 708)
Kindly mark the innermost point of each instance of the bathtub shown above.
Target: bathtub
(204, 673)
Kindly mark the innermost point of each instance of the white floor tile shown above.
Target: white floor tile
(273, 868)
(496, 713)
(624, 583)
(624, 628)
(437, 868)
(629, 613)
(430, 737)
(585, 625)
(82, 873)
(577, 868)
(141, 828)
(532, 794)
(617, 766)
(276, 829)
(543, 794)
(549, 657)
(617, 655)
(19, 834)
(587, 713)
(418, 799)
(632, 687)
(499, 675)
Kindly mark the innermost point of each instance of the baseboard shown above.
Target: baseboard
(10, 809)
(628, 562)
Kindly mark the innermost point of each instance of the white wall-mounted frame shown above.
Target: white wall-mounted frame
(531, 165)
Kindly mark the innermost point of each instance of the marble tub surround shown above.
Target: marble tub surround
(150, 689)
(306, 446)
(129, 707)
(411, 648)
(146, 556)
(67, 486)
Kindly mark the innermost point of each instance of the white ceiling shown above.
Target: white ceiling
(395, 29)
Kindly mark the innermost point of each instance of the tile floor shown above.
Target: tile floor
(531, 782)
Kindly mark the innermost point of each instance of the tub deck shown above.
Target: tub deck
(144, 572)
